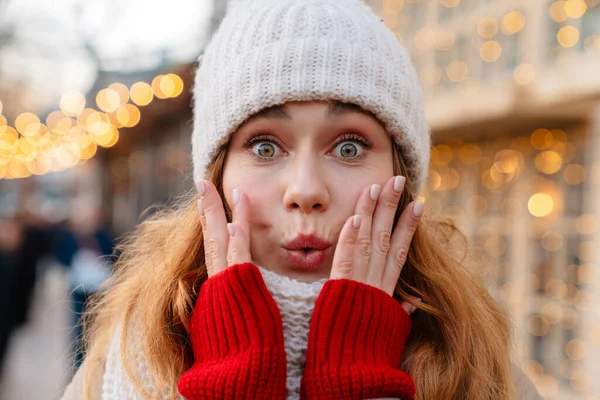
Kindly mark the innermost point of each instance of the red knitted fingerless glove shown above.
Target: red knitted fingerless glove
(357, 336)
(237, 339)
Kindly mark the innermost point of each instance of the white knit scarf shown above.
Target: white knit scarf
(296, 301)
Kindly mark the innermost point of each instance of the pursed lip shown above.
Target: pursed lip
(303, 241)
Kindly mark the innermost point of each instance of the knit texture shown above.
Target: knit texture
(296, 302)
(269, 52)
(355, 347)
(250, 335)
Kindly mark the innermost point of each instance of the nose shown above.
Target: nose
(307, 189)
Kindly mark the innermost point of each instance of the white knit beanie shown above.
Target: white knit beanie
(269, 52)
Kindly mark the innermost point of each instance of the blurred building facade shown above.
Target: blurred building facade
(512, 96)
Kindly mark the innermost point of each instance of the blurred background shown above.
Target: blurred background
(95, 127)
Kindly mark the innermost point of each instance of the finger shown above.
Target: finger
(343, 258)
(400, 244)
(207, 256)
(241, 213)
(238, 251)
(216, 236)
(362, 249)
(381, 231)
(409, 308)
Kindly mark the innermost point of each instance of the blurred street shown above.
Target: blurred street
(38, 355)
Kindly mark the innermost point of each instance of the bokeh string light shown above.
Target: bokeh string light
(72, 135)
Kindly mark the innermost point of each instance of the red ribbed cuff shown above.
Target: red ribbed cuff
(237, 338)
(357, 336)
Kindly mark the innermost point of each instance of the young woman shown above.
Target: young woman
(297, 268)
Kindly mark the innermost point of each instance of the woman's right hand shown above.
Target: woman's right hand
(225, 244)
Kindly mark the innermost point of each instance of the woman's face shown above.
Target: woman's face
(303, 166)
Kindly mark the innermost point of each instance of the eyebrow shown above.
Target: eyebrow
(335, 109)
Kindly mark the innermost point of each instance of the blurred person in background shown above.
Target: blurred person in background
(85, 247)
(11, 239)
(303, 266)
(24, 240)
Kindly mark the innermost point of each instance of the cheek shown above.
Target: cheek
(258, 189)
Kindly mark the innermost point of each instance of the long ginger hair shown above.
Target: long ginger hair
(459, 343)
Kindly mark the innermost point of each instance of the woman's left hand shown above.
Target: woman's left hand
(367, 251)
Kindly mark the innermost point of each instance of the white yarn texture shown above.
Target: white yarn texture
(295, 300)
(269, 52)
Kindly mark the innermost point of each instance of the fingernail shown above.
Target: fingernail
(236, 196)
(375, 191)
(231, 229)
(418, 208)
(399, 183)
(201, 188)
(356, 221)
(200, 207)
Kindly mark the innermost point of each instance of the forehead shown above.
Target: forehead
(334, 109)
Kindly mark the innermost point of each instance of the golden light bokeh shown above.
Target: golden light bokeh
(98, 124)
(27, 124)
(122, 91)
(586, 224)
(83, 116)
(488, 27)
(549, 162)
(568, 36)
(58, 123)
(108, 100)
(445, 39)
(1, 107)
(393, 6)
(575, 8)
(128, 115)
(538, 325)
(552, 312)
(541, 139)
(457, 71)
(587, 251)
(424, 39)
(524, 74)
(576, 349)
(157, 87)
(490, 51)
(575, 174)
(141, 93)
(558, 12)
(540, 205)
(179, 85)
(469, 154)
(3, 121)
(587, 273)
(513, 22)
(72, 103)
(552, 241)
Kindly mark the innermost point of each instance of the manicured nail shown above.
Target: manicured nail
(231, 229)
(418, 208)
(356, 221)
(375, 189)
(201, 188)
(236, 196)
(200, 208)
(399, 183)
